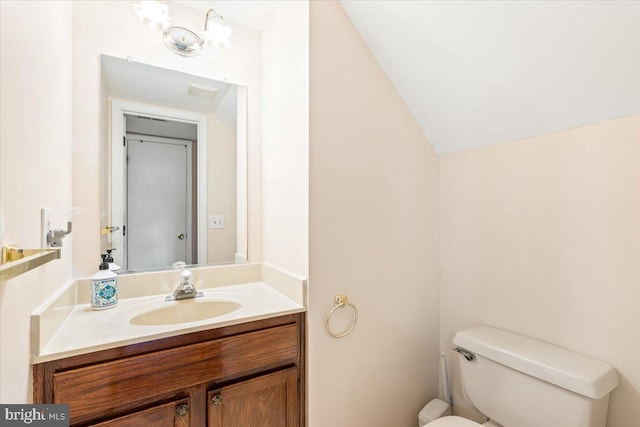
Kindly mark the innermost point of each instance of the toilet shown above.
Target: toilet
(517, 381)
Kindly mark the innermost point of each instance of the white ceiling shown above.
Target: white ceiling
(479, 73)
(154, 85)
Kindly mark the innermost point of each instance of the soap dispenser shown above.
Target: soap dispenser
(104, 287)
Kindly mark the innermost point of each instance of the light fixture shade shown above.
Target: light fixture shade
(153, 13)
(216, 33)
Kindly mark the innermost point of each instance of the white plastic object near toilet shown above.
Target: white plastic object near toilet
(433, 410)
(510, 377)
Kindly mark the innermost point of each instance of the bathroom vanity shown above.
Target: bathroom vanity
(228, 370)
(232, 376)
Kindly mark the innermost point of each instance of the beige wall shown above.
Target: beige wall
(373, 236)
(112, 28)
(221, 190)
(542, 237)
(285, 138)
(35, 167)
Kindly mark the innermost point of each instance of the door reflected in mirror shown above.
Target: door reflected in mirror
(174, 167)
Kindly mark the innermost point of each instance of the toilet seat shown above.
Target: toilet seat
(453, 421)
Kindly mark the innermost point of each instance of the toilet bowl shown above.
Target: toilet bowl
(453, 421)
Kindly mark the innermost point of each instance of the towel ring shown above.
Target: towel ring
(339, 302)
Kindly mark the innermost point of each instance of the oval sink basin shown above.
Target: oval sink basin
(184, 311)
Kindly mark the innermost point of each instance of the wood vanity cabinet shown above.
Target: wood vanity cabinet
(246, 375)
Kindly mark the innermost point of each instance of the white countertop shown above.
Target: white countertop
(85, 330)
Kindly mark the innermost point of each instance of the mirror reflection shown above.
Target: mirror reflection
(174, 167)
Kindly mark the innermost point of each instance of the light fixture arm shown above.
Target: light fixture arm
(206, 19)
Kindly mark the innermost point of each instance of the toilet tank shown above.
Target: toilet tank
(518, 381)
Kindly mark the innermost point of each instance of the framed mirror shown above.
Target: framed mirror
(174, 169)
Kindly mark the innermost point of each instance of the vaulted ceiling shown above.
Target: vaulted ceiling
(477, 73)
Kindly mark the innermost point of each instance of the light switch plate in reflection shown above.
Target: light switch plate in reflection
(216, 221)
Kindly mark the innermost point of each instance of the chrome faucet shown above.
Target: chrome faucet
(185, 289)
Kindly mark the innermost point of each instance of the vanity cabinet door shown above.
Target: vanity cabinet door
(172, 414)
(266, 401)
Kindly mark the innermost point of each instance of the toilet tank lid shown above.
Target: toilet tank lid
(564, 368)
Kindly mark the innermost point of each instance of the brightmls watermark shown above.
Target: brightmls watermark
(34, 415)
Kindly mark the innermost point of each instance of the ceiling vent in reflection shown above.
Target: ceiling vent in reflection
(201, 92)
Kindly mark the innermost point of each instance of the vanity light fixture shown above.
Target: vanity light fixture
(182, 40)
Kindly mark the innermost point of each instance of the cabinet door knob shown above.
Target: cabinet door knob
(216, 400)
(181, 236)
(182, 410)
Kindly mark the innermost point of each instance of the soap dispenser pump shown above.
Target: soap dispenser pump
(104, 287)
(109, 259)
